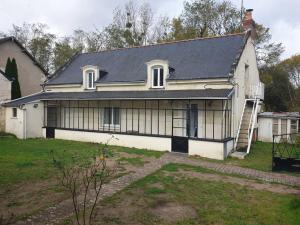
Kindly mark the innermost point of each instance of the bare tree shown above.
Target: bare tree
(84, 182)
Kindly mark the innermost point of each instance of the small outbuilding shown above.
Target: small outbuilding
(277, 123)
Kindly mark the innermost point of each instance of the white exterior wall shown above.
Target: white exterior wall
(5, 94)
(131, 141)
(15, 125)
(265, 129)
(248, 57)
(28, 123)
(208, 149)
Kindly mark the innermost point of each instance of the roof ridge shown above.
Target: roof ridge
(165, 43)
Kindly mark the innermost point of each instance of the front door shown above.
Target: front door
(192, 121)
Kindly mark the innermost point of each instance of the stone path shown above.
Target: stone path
(63, 210)
(230, 169)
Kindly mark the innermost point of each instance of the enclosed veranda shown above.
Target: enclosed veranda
(208, 120)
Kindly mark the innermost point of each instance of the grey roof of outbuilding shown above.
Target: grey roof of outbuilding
(124, 95)
(205, 58)
(285, 115)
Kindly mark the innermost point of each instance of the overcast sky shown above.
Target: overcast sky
(63, 16)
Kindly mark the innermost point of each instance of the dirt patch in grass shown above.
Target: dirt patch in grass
(25, 199)
(172, 211)
(276, 188)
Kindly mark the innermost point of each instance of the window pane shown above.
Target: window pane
(14, 112)
(161, 78)
(90, 80)
(107, 115)
(275, 126)
(116, 113)
(155, 77)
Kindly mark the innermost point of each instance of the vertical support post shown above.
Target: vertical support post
(98, 111)
(158, 117)
(172, 121)
(205, 118)
(69, 114)
(213, 124)
(120, 116)
(78, 113)
(93, 118)
(138, 120)
(165, 121)
(132, 116)
(88, 115)
(145, 130)
(222, 120)
(110, 115)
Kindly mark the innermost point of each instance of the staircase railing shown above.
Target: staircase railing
(240, 125)
(256, 100)
(252, 123)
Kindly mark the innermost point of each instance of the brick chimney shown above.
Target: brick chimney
(249, 24)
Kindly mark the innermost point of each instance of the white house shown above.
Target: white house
(196, 96)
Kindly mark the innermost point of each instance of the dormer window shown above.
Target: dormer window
(90, 76)
(157, 73)
(90, 80)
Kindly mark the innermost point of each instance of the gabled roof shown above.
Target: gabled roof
(4, 74)
(203, 58)
(124, 95)
(13, 39)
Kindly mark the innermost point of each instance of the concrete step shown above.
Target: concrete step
(239, 155)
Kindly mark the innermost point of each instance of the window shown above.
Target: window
(158, 77)
(275, 126)
(14, 112)
(111, 116)
(90, 81)
(294, 126)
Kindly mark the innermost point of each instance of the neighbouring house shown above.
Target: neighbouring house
(194, 96)
(5, 93)
(31, 74)
(272, 123)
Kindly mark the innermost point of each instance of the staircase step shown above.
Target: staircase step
(239, 155)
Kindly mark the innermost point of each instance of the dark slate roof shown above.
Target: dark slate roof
(4, 74)
(13, 39)
(204, 58)
(123, 95)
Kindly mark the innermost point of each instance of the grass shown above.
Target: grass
(136, 151)
(215, 202)
(260, 157)
(30, 160)
(136, 161)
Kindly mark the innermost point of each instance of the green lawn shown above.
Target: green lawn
(260, 157)
(160, 197)
(30, 160)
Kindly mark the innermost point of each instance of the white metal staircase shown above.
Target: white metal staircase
(247, 123)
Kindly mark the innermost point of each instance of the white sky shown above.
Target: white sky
(63, 16)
